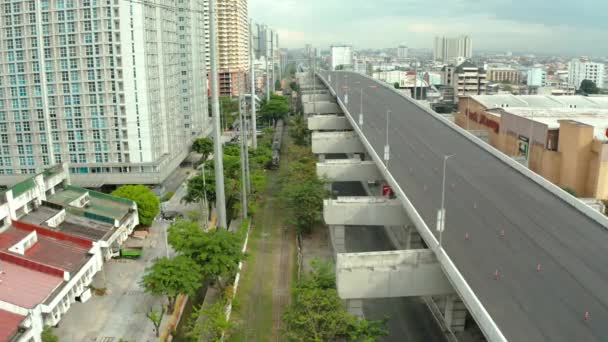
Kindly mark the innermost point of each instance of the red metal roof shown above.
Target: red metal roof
(9, 323)
(62, 254)
(24, 287)
(53, 234)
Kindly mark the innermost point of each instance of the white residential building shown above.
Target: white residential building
(402, 52)
(580, 69)
(450, 49)
(116, 88)
(537, 77)
(341, 55)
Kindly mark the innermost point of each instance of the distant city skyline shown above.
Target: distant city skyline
(533, 26)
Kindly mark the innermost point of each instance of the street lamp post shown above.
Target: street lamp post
(441, 213)
(243, 164)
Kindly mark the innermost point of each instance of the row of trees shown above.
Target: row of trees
(274, 109)
(302, 190)
(318, 314)
(204, 184)
(202, 256)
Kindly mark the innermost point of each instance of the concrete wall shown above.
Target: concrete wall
(328, 123)
(364, 211)
(390, 274)
(348, 170)
(575, 146)
(336, 142)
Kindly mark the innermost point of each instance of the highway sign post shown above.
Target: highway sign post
(441, 225)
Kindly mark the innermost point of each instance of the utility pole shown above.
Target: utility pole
(218, 154)
(246, 142)
(243, 166)
(252, 68)
(272, 65)
(267, 71)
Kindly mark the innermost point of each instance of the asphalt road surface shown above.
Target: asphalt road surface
(409, 319)
(485, 197)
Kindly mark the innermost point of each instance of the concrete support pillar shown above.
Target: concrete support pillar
(328, 122)
(338, 238)
(391, 274)
(453, 310)
(336, 142)
(414, 240)
(355, 307)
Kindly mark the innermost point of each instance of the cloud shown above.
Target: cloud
(556, 26)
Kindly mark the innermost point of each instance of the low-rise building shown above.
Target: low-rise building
(537, 77)
(53, 239)
(562, 138)
(504, 75)
(467, 79)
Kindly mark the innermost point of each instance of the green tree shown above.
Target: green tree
(217, 252)
(156, 317)
(148, 204)
(396, 85)
(277, 85)
(588, 87)
(298, 130)
(318, 314)
(294, 86)
(171, 277)
(276, 108)
(210, 323)
(203, 146)
(198, 186)
(305, 199)
(48, 335)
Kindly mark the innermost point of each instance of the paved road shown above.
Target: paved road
(121, 313)
(409, 318)
(484, 197)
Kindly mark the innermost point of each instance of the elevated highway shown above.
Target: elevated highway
(527, 259)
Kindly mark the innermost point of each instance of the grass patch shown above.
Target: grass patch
(168, 196)
(255, 292)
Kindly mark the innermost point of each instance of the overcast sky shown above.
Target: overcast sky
(578, 27)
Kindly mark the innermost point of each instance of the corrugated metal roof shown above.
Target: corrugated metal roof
(9, 324)
(62, 254)
(24, 287)
(541, 101)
